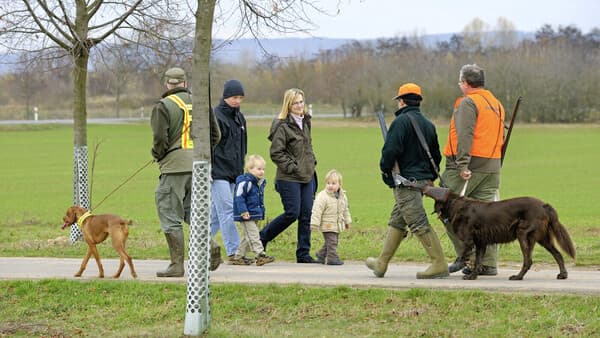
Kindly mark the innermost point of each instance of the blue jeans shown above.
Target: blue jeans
(221, 215)
(297, 199)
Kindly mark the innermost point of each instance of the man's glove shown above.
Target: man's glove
(388, 178)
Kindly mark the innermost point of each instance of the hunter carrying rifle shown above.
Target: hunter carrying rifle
(404, 153)
(473, 153)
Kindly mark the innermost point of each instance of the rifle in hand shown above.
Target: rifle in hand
(398, 179)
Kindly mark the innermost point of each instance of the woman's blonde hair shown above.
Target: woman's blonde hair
(288, 100)
(335, 176)
(253, 161)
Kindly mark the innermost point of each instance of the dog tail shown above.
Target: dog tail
(559, 231)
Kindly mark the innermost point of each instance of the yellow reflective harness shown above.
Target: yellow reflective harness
(186, 139)
(84, 217)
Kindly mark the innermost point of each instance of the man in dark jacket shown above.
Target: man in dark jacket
(228, 164)
(173, 149)
(403, 149)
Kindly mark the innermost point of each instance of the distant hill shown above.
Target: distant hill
(233, 51)
(244, 49)
(287, 47)
(7, 63)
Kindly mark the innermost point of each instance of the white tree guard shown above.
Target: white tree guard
(80, 187)
(197, 315)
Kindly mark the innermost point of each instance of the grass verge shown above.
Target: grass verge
(64, 308)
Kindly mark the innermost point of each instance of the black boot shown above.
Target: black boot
(175, 242)
(458, 264)
(215, 255)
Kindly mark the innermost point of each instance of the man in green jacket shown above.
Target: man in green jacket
(403, 149)
(172, 149)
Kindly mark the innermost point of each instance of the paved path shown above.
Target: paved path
(352, 274)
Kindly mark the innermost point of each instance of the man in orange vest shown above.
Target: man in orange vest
(473, 154)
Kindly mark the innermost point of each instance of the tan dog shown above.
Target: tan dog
(95, 229)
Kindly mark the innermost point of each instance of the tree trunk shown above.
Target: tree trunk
(200, 72)
(79, 98)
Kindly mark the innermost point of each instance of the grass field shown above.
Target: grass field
(556, 163)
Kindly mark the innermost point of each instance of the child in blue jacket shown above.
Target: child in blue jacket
(249, 207)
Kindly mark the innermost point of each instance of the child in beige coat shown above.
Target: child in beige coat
(330, 215)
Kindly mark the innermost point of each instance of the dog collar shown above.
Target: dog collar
(84, 217)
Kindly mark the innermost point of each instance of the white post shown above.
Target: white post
(80, 187)
(197, 315)
(35, 113)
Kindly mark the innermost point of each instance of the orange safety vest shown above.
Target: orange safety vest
(488, 135)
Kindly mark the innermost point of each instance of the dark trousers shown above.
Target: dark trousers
(297, 199)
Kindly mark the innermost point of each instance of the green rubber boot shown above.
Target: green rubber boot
(391, 242)
(438, 267)
(175, 242)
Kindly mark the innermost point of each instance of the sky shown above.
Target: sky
(370, 19)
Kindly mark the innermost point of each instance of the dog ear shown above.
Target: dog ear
(78, 211)
(71, 212)
(437, 193)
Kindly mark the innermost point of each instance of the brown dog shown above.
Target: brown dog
(478, 223)
(95, 229)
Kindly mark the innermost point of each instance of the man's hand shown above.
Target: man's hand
(388, 179)
(465, 174)
(245, 215)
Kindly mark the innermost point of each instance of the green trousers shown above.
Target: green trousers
(173, 200)
(481, 186)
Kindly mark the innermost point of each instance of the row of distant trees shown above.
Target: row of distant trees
(556, 71)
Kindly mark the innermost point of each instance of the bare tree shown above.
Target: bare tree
(474, 35)
(72, 28)
(255, 18)
(28, 81)
(281, 15)
(505, 34)
(121, 62)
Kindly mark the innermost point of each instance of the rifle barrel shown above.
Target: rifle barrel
(510, 128)
(382, 124)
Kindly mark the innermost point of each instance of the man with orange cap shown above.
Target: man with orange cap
(473, 154)
(402, 148)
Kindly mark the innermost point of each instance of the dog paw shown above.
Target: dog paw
(77, 275)
(515, 277)
(562, 275)
(471, 276)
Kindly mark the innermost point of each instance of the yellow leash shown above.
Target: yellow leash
(120, 185)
